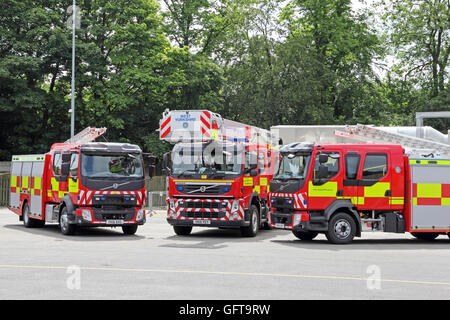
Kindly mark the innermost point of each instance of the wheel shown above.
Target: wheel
(130, 229)
(64, 225)
(341, 228)
(305, 235)
(448, 234)
(182, 230)
(425, 235)
(27, 221)
(252, 229)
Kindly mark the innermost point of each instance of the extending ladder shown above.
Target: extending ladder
(87, 135)
(413, 145)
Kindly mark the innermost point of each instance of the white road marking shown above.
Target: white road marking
(255, 274)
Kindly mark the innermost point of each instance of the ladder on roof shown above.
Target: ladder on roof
(413, 145)
(203, 125)
(87, 135)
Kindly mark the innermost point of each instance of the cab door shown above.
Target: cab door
(323, 191)
(374, 185)
(352, 160)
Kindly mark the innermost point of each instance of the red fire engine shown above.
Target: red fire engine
(219, 172)
(343, 189)
(81, 183)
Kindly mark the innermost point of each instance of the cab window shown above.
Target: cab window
(74, 165)
(375, 166)
(351, 166)
(332, 164)
(57, 164)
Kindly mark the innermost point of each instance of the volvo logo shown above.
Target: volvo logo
(115, 185)
(202, 189)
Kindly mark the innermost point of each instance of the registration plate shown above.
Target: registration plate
(114, 221)
(279, 225)
(202, 221)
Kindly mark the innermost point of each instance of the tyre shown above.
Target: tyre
(448, 234)
(425, 235)
(130, 230)
(252, 229)
(305, 235)
(27, 221)
(341, 228)
(64, 225)
(182, 230)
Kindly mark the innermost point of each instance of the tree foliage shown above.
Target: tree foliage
(262, 62)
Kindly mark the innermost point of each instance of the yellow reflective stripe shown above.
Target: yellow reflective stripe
(73, 186)
(55, 184)
(445, 202)
(62, 194)
(397, 201)
(414, 201)
(248, 181)
(49, 193)
(429, 190)
(378, 190)
(204, 181)
(327, 189)
(29, 158)
(263, 181)
(354, 200)
(25, 182)
(37, 183)
(257, 189)
(430, 162)
(268, 188)
(13, 181)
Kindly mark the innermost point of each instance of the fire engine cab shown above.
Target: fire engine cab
(81, 183)
(218, 172)
(343, 189)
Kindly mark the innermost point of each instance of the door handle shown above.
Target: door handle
(340, 193)
(388, 193)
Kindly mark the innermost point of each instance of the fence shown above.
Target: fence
(4, 190)
(155, 185)
(157, 200)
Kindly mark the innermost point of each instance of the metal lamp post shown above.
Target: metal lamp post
(74, 17)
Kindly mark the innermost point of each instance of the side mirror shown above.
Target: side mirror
(323, 172)
(253, 172)
(65, 169)
(151, 170)
(150, 160)
(323, 158)
(166, 164)
(66, 158)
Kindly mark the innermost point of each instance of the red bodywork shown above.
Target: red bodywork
(390, 193)
(52, 191)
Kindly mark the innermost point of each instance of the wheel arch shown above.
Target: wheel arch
(344, 205)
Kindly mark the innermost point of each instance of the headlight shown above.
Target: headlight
(86, 214)
(140, 215)
(171, 204)
(235, 206)
(297, 219)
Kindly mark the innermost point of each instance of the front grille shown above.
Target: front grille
(202, 205)
(114, 217)
(202, 188)
(204, 215)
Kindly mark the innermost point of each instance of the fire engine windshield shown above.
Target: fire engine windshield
(293, 167)
(212, 159)
(112, 166)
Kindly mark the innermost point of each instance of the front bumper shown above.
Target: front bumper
(212, 212)
(108, 218)
(289, 221)
(207, 223)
